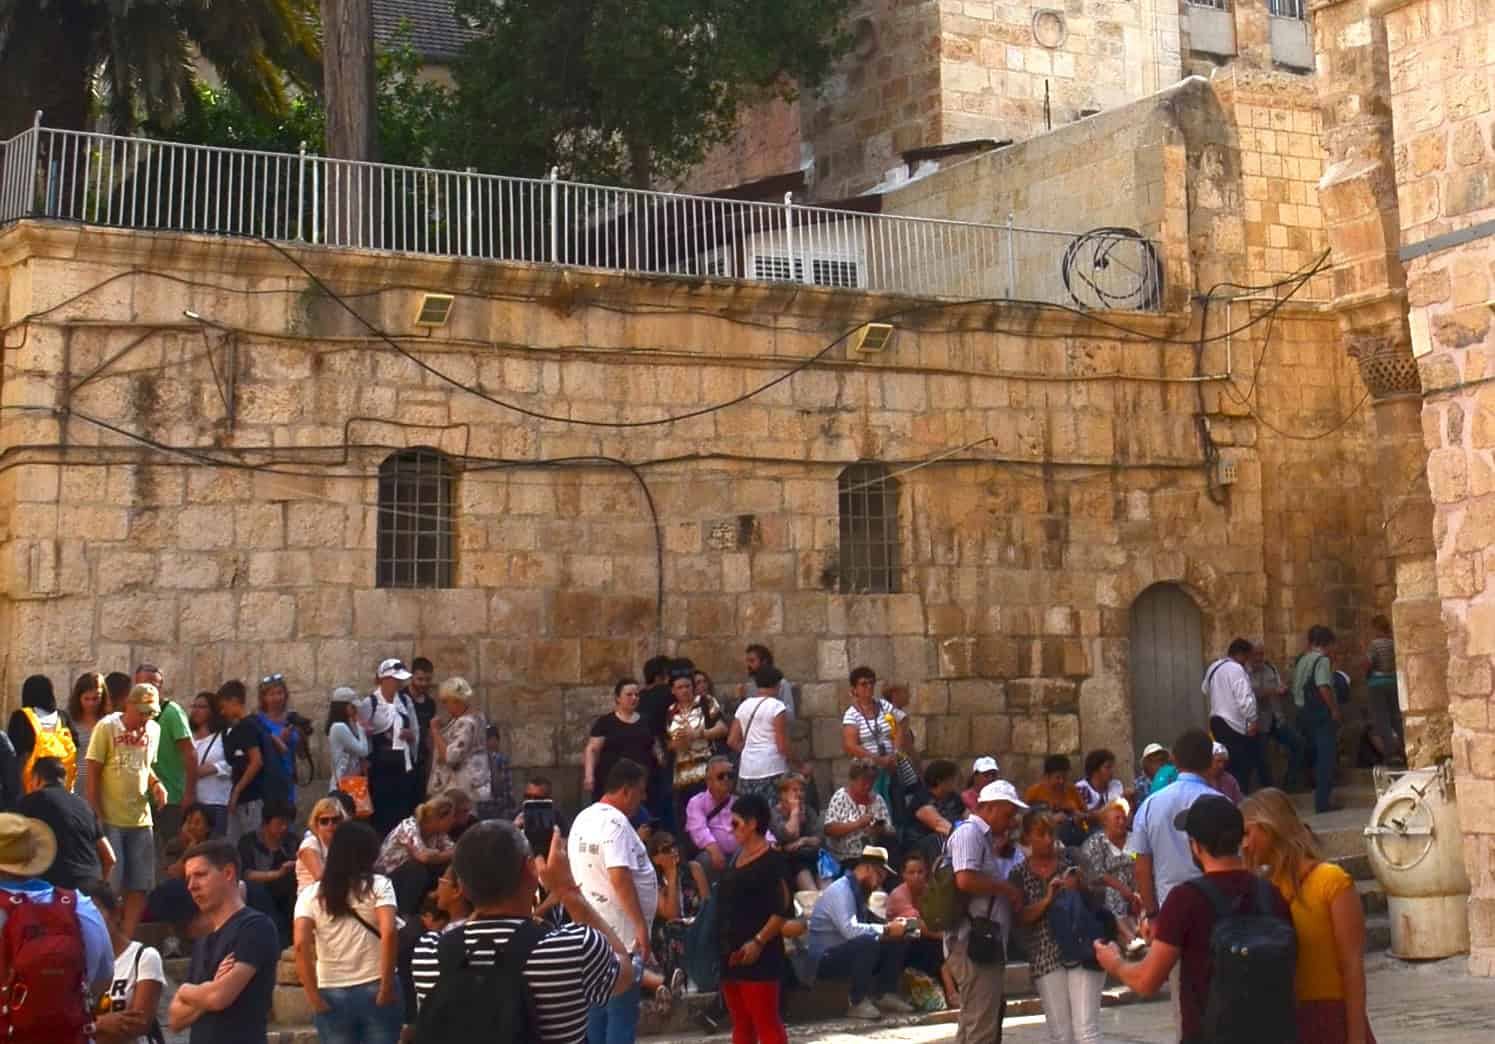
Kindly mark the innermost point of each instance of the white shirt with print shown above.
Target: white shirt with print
(601, 837)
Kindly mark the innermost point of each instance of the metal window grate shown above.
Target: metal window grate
(869, 530)
(1288, 8)
(416, 530)
(1218, 5)
(831, 272)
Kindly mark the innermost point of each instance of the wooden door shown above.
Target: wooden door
(1167, 665)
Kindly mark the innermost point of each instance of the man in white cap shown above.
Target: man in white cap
(976, 949)
(846, 945)
(79, 940)
(392, 726)
(984, 771)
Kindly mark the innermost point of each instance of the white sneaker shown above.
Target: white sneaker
(864, 1010)
(892, 1004)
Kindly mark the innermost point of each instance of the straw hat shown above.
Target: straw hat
(27, 846)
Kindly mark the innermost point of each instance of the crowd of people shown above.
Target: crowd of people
(419, 896)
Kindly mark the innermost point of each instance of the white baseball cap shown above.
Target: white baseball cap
(987, 764)
(346, 693)
(1153, 748)
(1001, 790)
(1219, 750)
(395, 669)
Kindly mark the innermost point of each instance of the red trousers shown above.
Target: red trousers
(755, 1012)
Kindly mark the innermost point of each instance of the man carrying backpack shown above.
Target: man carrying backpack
(561, 974)
(54, 945)
(1230, 933)
(1318, 712)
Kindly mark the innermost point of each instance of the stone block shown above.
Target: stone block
(200, 527)
(385, 614)
(991, 734)
(556, 661)
(209, 616)
(145, 617)
(1064, 733)
(324, 612)
(531, 744)
(1030, 735)
(266, 616)
(120, 570)
(260, 526)
(977, 696)
(188, 572)
(315, 525)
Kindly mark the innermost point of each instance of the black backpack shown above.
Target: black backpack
(1254, 954)
(470, 1000)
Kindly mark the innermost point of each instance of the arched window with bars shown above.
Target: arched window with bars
(869, 552)
(417, 530)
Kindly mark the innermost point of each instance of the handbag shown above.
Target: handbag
(985, 945)
(357, 788)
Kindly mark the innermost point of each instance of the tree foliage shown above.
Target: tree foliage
(411, 115)
(133, 60)
(627, 90)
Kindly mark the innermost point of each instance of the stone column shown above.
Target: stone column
(1440, 74)
(1358, 195)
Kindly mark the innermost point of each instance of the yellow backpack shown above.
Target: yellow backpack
(56, 743)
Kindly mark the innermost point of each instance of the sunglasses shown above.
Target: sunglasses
(329, 820)
(272, 679)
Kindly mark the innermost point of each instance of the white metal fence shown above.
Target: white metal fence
(146, 184)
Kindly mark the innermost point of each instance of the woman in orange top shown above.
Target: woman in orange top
(1327, 915)
(1063, 799)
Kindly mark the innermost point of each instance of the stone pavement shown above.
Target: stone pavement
(1432, 1003)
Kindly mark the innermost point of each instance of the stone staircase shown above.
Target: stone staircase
(1341, 836)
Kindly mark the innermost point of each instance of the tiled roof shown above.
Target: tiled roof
(435, 31)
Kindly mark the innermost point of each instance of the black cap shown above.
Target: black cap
(1214, 822)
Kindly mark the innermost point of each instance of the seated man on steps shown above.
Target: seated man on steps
(844, 944)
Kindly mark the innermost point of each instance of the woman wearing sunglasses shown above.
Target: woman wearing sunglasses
(274, 716)
(326, 816)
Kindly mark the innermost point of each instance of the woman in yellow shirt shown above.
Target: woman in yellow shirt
(1327, 915)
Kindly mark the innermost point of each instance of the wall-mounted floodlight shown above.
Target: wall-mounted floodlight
(435, 310)
(872, 337)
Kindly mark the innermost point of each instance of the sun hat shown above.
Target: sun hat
(28, 846)
(1001, 790)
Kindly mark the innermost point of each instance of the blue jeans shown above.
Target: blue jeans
(616, 1022)
(354, 1018)
(872, 966)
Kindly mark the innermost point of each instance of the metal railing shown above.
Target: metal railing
(146, 184)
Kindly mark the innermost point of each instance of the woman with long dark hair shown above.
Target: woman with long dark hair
(40, 730)
(215, 773)
(87, 705)
(347, 946)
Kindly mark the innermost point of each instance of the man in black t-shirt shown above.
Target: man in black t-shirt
(933, 809)
(243, 744)
(83, 855)
(267, 860)
(226, 998)
(654, 707)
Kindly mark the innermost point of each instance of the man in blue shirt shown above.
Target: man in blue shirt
(27, 849)
(1164, 860)
(845, 945)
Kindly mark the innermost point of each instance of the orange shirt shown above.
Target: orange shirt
(1068, 799)
(1318, 975)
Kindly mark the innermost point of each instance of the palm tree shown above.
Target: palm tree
(137, 57)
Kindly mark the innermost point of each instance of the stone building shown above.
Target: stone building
(1043, 520)
(925, 80)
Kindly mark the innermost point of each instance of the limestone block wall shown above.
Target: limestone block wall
(206, 497)
(1440, 69)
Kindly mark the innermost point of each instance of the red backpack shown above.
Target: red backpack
(43, 976)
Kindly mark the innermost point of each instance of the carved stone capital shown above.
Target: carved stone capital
(1377, 337)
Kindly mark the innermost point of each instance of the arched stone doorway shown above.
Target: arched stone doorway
(1167, 663)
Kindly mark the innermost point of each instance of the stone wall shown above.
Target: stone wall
(249, 547)
(1440, 76)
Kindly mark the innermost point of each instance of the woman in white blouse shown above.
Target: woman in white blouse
(760, 732)
(215, 776)
(347, 741)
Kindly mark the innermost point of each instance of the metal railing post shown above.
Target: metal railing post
(555, 220)
(1011, 257)
(789, 231)
(36, 146)
(467, 192)
(316, 201)
(300, 189)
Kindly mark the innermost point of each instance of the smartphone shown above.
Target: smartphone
(539, 824)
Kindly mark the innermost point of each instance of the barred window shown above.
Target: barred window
(416, 530)
(1289, 8)
(869, 530)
